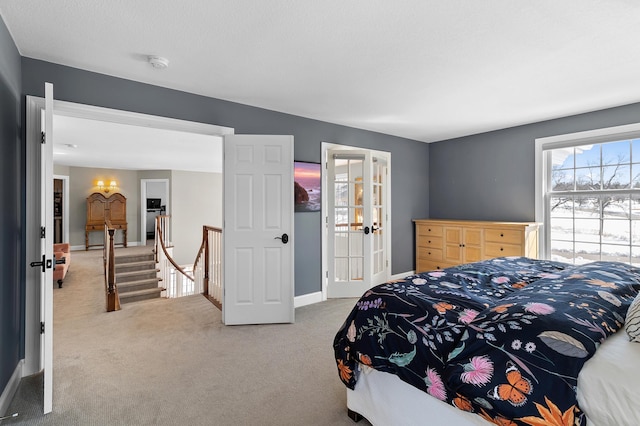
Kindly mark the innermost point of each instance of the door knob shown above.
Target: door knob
(43, 264)
(366, 230)
(284, 238)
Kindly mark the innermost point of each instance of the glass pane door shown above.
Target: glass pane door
(348, 219)
(356, 230)
(378, 186)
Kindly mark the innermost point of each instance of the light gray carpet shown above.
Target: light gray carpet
(171, 361)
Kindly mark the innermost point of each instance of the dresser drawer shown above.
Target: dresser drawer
(430, 241)
(430, 265)
(429, 253)
(428, 230)
(94, 227)
(498, 250)
(507, 236)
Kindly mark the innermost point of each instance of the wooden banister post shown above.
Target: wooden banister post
(205, 240)
(113, 301)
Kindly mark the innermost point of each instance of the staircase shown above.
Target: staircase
(137, 277)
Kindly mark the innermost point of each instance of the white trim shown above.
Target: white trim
(143, 206)
(307, 299)
(402, 276)
(70, 109)
(83, 248)
(542, 175)
(11, 388)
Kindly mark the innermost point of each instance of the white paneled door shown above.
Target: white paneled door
(357, 222)
(258, 230)
(46, 241)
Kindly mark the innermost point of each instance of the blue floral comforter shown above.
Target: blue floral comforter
(504, 338)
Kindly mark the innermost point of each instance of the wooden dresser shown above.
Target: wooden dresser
(445, 243)
(101, 208)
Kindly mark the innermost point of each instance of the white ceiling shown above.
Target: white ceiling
(83, 142)
(423, 69)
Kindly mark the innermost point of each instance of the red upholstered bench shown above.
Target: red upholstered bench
(62, 253)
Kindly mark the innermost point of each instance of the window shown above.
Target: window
(591, 197)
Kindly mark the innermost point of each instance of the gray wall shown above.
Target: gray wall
(490, 176)
(12, 190)
(409, 159)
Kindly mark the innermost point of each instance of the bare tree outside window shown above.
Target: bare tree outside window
(593, 203)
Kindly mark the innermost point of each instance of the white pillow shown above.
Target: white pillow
(632, 322)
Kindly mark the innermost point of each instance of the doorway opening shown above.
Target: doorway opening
(38, 298)
(154, 201)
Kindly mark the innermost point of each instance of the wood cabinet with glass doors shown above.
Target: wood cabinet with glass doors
(446, 243)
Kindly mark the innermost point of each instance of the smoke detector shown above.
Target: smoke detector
(158, 62)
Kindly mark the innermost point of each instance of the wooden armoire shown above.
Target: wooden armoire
(101, 208)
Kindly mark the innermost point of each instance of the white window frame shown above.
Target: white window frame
(543, 172)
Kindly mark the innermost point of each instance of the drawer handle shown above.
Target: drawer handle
(501, 249)
(429, 241)
(429, 229)
(501, 234)
(429, 252)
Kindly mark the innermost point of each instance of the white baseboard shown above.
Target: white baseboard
(129, 244)
(307, 299)
(11, 388)
(402, 275)
(311, 298)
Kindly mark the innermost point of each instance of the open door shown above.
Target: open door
(258, 230)
(39, 309)
(47, 249)
(357, 219)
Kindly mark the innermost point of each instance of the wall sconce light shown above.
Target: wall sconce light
(106, 189)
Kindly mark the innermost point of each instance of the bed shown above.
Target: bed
(502, 341)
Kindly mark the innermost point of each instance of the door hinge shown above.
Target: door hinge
(41, 327)
(326, 274)
(42, 139)
(43, 232)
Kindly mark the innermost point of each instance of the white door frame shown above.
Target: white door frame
(143, 206)
(325, 147)
(34, 105)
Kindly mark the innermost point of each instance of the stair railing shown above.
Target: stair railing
(108, 256)
(175, 279)
(207, 267)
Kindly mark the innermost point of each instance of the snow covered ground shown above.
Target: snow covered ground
(615, 236)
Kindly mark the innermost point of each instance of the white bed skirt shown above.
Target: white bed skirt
(608, 392)
(385, 400)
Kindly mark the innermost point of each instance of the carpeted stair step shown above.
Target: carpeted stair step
(144, 284)
(137, 277)
(131, 258)
(138, 295)
(124, 277)
(135, 266)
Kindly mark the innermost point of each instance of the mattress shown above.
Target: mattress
(609, 383)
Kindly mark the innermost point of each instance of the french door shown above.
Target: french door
(357, 222)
